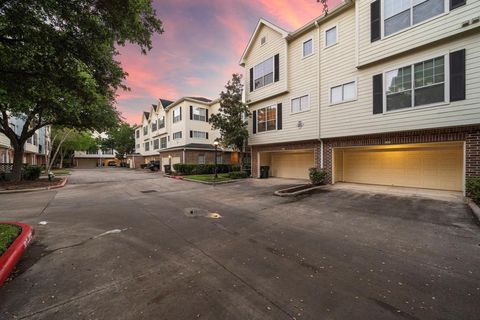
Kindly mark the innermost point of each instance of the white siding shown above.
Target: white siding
(357, 118)
(4, 141)
(447, 24)
(275, 44)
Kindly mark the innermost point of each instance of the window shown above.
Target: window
(308, 48)
(331, 37)
(300, 104)
(401, 14)
(147, 146)
(343, 93)
(137, 147)
(263, 40)
(263, 73)
(199, 135)
(156, 144)
(177, 115)
(267, 119)
(219, 159)
(35, 139)
(154, 126)
(201, 159)
(161, 122)
(200, 114)
(163, 143)
(425, 85)
(177, 135)
(137, 133)
(145, 130)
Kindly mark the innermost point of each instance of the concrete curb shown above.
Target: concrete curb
(474, 207)
(203, 182)
(285, 193)
(15, 251)
(61, 185)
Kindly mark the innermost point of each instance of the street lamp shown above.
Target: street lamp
(169, 164)
(215, 143)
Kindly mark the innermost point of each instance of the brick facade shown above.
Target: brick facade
(469, 135)
(289, 146)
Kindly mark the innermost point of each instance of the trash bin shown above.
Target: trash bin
(264, 172)
(167, 168)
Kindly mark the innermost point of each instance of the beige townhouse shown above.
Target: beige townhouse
(179, 132)
(380, 92)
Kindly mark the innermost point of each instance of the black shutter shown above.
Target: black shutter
(254, 121)
(377, 93)
(180, 113)
(191, 112)
(279, 116)
(251, 79)
(454, 4)
(191, 134)
(375, 21)
(276, 67)
(457, 75)
(206, 135)
(206, 115)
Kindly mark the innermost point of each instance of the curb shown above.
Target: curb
(285, 193)
(213, 183)
(15, 251)
(474, 207)
(61, 185)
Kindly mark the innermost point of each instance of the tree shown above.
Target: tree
(232, 118)
(57, 62)
(325, 5)
(121, 139)
(66, 140)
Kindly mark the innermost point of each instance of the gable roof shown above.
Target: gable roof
(165, 103)
(146, 114)
(262, 22)
(200, 99)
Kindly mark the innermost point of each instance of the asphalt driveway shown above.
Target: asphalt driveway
(122, 244)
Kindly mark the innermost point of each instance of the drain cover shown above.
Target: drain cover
(148, 191)
(197, 212)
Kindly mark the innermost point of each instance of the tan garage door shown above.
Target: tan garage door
(291, 165)
(428, 166)
(87, 163)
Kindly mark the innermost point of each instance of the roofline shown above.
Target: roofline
(260, 22)
(294, 34)
(177, 102)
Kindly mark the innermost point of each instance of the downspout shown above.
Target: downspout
(183, 156)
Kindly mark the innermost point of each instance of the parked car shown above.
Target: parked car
(112, 163)
(154, 165)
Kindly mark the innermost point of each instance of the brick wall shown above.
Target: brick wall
(471, 135)
(313, 144)
(191, 156)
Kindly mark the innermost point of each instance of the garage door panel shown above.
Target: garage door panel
(291, 165)
(435, 168)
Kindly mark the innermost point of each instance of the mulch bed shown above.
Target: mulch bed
(40, 183)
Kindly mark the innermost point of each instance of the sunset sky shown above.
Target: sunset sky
(201, 47)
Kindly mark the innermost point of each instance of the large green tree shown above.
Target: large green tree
(65, 141)
(120, 138)
(231, 121)
(58, 66)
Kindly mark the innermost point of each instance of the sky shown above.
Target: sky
(200, 48)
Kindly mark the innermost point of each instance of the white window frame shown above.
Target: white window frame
(177, 118)
(355, 83)
(303, 49)
(273, 73)
(161, 120)
(307, 108)
(266, 122)
(382, 16)
(199, 116)
(412, 63)
(145, 132)
(197, 133)
(203, 157)
(164, 139)
(157, 143)
(336, 35)
(176, 134)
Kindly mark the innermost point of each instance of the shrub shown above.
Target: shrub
(188, 169)
(235, 168)
(473, 188)
(238, 175)
(317, 176)
(32, 172)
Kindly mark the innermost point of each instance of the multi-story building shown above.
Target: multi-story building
(179, 132)
(380, 92)
(36, 147)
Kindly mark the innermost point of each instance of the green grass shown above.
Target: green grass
(209, 177)
(8, 233)
(58, 171)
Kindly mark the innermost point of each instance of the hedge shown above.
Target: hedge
(188, 169)
(473, 189)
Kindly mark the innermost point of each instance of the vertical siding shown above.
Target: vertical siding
(437, 28)
(275, 44)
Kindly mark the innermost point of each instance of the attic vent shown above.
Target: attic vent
(263, 40)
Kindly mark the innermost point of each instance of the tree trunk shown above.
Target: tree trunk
(17, 163)
(62, 155)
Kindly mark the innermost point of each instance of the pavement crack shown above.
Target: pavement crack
(48, 203)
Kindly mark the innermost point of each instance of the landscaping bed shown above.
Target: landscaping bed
(29, 184)
(209, 177)
(8, 234)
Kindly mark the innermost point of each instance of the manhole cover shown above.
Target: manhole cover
(148, 191)
(197, 212)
